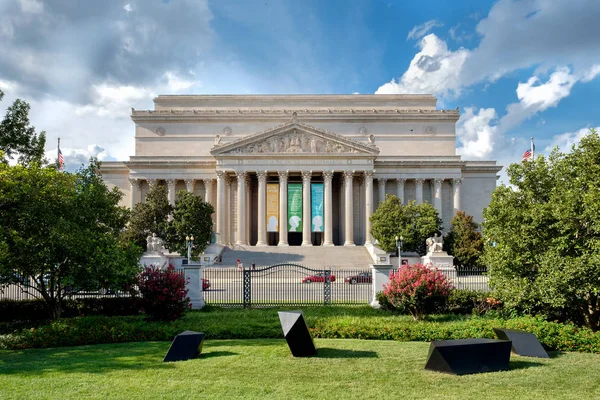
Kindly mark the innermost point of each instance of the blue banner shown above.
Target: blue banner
(316, 190)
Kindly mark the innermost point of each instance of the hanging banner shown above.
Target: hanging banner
(272, 207)
(317, 207)
(294, 207)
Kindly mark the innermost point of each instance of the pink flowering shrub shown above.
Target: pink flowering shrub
(164, 296)
(417, 289)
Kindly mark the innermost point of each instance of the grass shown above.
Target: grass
(265, 369)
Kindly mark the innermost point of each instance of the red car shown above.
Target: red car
(319, 277)
(363, 277)
(205, 284)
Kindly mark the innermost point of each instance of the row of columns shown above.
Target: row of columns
(243, 208)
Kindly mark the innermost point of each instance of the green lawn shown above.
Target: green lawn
(264, 368)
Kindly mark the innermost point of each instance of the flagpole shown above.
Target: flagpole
(532, 149)
(58, 155)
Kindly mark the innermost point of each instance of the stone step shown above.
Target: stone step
(312, 257)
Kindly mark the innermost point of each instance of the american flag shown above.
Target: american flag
(61, 160)
(527, 155)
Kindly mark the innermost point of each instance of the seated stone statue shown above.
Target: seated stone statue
(154, 244)
(435, 244)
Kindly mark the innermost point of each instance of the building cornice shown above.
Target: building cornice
(186, 115)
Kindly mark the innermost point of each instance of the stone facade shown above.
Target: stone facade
(361, 147)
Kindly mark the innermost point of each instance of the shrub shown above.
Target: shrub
(164, 296)
(418, 289)
(463, 301)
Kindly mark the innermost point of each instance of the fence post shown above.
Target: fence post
(380, 275)
(193, 278)
(247, 288)
(327, 287)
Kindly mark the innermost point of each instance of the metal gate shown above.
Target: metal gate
(286, 284)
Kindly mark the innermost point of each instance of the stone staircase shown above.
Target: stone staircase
(312, 257)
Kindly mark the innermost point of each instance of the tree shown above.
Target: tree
(413, 222)
(149, 217)
(542, 236)
(191, 216)
(464, 241)
(18, 137)
(60, 233)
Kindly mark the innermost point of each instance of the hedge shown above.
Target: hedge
(216, 325)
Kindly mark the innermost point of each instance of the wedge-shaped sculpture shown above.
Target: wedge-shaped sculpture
(523, 343)
(186, 345)
(296, 334)
(468, 356)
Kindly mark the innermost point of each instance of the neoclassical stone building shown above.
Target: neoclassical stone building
(302, 169)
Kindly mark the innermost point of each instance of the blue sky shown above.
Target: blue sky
(514, 68)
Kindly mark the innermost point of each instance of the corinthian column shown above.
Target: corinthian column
(283, 231)
(437, 200)
(400, 190)
(456, 188)
(208, 190)
(171, 191)
(368, 206)
(189, 185)
(328, 215)
(381, 185)
(241, 208)
(221, 207)
(419, 190)
(135, 191)
(262, 208)
(306, 211)
(348, 176)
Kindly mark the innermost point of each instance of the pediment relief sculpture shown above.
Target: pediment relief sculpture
(294, 142)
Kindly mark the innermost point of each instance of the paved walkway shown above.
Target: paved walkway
(313, 257)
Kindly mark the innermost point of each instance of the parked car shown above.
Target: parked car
(363, 277)
(205, 284)
(318, 277)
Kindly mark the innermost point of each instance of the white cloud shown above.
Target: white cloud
(565, 141)
(176, 83)
(434, 69)
(114, 100)
(128, 8)
(75, 158)
(31, 6)
(481, 133)
(476, 132)
(418, 31)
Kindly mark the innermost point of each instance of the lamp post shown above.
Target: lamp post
(399, 241)
(189, 240)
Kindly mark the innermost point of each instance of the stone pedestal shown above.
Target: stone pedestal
(193, 277)
(438, 259)
(380, 276)
(158, 260)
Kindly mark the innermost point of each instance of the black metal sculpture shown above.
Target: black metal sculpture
(186, 345)
(296, 333)
(468, 356)
(523, 343)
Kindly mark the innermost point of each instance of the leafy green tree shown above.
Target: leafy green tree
(464, 241)
(18, 137)
(191, 216)
(149, 217)
(61, 233)
(413, 222)
(542, 235)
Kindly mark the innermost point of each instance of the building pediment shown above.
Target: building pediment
(295, 137)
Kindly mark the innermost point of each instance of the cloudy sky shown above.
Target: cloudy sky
(516, 69)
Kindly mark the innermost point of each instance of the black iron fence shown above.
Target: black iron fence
(468, 278)
(286, 284)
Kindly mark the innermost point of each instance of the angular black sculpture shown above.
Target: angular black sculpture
(523, 343)
(296, 333)
(468, 356)
(186, 345)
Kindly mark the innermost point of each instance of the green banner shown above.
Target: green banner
(294, 207)
(316, 190)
